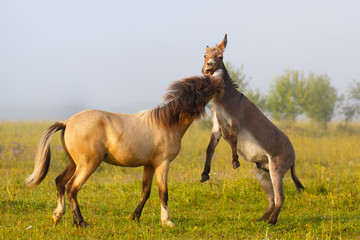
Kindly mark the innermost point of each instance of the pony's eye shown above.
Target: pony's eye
(221, 58)
(204, 56)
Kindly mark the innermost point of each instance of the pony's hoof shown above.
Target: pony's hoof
(82, 224)
(261, 220)
(168, 223)
(56, 219)
(271, 223)
(235, 164)
(135, 217)
(204, 177)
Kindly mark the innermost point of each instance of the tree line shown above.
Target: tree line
(294, 94)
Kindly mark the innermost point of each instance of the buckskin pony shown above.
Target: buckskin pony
(151, 138)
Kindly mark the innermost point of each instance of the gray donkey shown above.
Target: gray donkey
(250, 134)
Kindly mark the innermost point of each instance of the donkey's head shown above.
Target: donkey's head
(214, 58)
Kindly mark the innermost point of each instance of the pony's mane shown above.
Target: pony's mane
(185, 100)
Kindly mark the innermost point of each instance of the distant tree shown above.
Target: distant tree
(320, 98)
(286, 96)
(354, 90)
(351, 107)
(238, 76)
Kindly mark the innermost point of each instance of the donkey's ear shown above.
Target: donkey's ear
(223, 43)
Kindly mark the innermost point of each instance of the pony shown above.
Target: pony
(151, 138)
(250, 134)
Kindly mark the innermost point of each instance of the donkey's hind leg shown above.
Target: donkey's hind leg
(148, 176)
(60, 181)
(82, 173)
(266, 184)
(277, 174)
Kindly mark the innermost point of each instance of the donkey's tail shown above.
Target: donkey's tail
(42, 158)
(297, 182)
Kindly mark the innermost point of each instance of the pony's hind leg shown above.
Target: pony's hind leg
(60, 181)
(146, 189)
(82, 173)
(161, 178)
(266, 184)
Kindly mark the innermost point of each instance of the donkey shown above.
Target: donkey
(250, 134)
(151, 138)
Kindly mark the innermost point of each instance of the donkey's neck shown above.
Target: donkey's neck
(229, 84)
(229, 89)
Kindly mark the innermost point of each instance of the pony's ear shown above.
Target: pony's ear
(223, 43)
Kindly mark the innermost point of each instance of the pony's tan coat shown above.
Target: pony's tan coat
(151, 138)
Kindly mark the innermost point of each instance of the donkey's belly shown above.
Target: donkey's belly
(249, 148)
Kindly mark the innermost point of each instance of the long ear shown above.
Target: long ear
(222, 45)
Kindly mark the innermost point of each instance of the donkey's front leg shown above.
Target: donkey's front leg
(161, 173)
(233, 144)
(214, 139)
(146, 189)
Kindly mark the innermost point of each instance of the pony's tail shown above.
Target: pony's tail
(297, 182)
(42, 158)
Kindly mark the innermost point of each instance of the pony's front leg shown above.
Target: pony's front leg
(146, 189)
(233, 144)
(161, 173)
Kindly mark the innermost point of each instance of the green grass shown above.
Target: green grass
(225, 207)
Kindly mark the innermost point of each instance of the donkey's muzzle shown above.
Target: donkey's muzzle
(210, 66)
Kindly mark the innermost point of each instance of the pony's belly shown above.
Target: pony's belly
(249, 149)
(125, 161)
(128, 156)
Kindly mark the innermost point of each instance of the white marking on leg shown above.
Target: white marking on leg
(60, 209)
(165, 218)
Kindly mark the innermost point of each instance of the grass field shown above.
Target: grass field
(225, 207)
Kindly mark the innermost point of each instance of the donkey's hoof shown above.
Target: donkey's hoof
(204, 177)
(235, 164)
(168, 223)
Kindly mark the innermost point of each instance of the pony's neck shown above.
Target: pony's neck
(182, 128)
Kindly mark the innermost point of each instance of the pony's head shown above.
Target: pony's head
(186, 99)
(214, 58)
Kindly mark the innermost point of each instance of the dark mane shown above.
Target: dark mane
(185, 100)
(235, 86)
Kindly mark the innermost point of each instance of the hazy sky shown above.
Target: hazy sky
(101, 54)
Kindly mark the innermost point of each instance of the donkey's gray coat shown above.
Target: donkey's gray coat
(250, 134)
